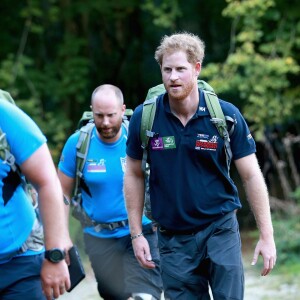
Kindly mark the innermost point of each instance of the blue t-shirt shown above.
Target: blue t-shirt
(16, 214)
(103, 173)
(189, 182)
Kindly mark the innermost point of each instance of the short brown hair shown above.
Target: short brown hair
(187, 42)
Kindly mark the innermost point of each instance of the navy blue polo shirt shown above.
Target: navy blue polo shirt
(189, 182)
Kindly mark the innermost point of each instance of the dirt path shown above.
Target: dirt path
(272, 287)
(86, 290)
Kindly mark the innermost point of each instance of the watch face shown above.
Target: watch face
(55, 255)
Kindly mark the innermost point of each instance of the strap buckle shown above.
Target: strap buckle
(110, 226)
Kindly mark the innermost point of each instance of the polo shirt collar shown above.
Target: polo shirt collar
(202, 108)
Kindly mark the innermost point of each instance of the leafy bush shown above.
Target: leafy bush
(287, 238)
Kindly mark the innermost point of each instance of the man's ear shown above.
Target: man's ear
(198, 68)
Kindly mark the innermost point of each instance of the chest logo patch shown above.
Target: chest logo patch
(163, 143)
(203, 142)
(95, 167)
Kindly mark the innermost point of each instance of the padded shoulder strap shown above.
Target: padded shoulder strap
(5, 153)
(148, 114)
(6, 96)
(14, 177)
(82, 148)
(215, 111)
(219, 120)
(126, 123)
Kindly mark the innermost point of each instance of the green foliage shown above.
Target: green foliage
(54, 53)
(287, 238)
(164, 13)
(260, 65)
(296, 195)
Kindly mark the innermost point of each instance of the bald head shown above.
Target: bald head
(108, 89)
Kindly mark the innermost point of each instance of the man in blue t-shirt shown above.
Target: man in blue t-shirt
(193, 199)
(25, 274)
(117, 272)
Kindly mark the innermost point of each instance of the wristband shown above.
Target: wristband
(133, 237)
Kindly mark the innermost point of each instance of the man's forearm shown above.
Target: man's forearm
(258, 199)
(134, 197)
(53, 216)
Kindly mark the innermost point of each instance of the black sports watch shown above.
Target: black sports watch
(55, 255)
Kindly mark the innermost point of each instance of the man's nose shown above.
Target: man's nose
(105, 120)
(173, 75)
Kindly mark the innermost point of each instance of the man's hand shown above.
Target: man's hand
(267, 249)
(142, 252)
(55, 279)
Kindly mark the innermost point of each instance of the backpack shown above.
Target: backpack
(214, 108)
(85, 127)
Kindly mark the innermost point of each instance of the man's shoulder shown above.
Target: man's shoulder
(228, 108)
(72, 139)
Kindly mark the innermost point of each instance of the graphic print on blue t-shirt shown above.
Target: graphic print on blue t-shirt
(95, 166)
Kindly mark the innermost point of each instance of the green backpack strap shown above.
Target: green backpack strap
(5, 153)
(148, 114)
(219, 120)
(82, 148)
(6, 96)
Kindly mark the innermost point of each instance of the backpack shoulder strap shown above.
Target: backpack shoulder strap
(14, 177)
(219, 120)
(5, 153)
(125, 122)
(6, 96)
(148, 114)
(82, 148)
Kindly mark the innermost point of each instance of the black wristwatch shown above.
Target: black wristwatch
(55, 255)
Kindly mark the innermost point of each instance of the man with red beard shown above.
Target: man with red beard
(193, 198)
(107, 239)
